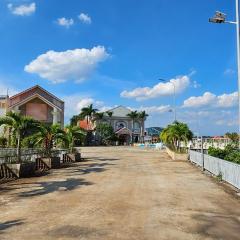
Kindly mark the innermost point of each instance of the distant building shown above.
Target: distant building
(127, 129)
(152, 134)
(37, 103)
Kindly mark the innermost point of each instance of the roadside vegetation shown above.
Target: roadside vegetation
(231, 153)
(176, 133)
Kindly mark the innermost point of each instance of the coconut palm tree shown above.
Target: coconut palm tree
(142, 117)
(110, 114)
(21, 127)
(88, 113)
(174, 133)
(73, 133)
(48, 135)
(133, 115)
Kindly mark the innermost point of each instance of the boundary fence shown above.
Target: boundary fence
(229, 172)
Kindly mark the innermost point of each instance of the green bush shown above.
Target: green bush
(3, 142)
(230, 153)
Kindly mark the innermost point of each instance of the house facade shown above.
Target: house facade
(127, 129)
(37, 103)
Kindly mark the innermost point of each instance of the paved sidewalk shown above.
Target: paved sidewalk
(119, 193)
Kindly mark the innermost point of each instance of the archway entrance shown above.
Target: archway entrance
(124, 136)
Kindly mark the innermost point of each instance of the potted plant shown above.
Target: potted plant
(47, 137)
(19, 127)
(73, 134)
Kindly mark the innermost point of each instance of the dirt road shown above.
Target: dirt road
(119, 193)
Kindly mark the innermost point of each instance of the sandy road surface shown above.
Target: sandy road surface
(119, 193)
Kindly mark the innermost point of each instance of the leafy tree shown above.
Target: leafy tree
(21, 127)
(73, 133)
(74, 120)
(175, 133)
(105, 132)
(234, 137)
(98, 115)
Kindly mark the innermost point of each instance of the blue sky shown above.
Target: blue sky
(113, 52)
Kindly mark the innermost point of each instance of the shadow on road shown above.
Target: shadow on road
(42, 188)
(9, 224)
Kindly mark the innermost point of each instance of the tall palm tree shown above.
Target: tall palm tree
(142, 117)
(48, 135)
(21, 127)
(73, 133)
(110, 114)
(133, 115)
(88, 113)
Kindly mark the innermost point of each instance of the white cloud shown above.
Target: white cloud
(74, 104)
(75, 64)
(155, 109)
(22, 10)
(211, 100)
(160, 89)
(229, 71)
(65, 22)
(85, 18)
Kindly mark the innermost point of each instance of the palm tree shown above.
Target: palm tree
(142, 116)
(48, 135)
(88, 112)
(74, 120)
(110, 114)
(21, 127)
(133, 115)
(175, 133)
(98, 115)
(73, 133)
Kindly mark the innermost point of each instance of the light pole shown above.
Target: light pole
(174, 96)
(221, 18)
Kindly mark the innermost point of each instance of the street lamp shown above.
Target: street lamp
(174, 96)
(220, 17)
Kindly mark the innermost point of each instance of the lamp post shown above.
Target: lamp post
(220, 17)
(174, 97)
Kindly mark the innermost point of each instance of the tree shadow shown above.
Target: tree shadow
(9, 224)
(44, 188)
(218, 226)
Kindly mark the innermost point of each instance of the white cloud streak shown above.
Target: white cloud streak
(22, 10)
(160, 89)
(211, 100)
(77, 64)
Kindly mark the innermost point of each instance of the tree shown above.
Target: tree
(110, 114)
(74, 120)
(98, 115)
(21, 127)
(174, 133)
(105, 132)
(133, 115)
(48, 135)
(73, 133)
(88, 112)
(142, 117)
(234, 137)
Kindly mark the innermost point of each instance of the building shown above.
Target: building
(152, 134)
(37, 103)
(127, 129)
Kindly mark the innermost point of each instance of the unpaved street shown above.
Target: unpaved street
(119, 193)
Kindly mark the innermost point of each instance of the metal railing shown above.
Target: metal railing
(228, 171)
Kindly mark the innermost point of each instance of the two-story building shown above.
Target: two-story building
(35, 102)
(127, 129)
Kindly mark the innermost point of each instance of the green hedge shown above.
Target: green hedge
(230, 153)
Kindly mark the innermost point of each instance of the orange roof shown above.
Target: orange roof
(85, 125)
